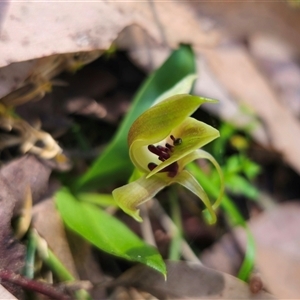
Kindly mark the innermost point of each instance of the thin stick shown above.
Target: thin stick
(170, 228)
(32, 285)
(175, 249)
(146, 227)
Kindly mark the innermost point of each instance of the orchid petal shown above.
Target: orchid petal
(187, 180)
(203, 154)
(194, 134)
(131, 195)
(156, 124)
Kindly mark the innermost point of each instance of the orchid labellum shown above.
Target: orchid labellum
(162, 141)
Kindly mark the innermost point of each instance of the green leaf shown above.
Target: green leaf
(98, 199)
(233, 164)
(226, 131)
(114, 162)
(105, 231)
(240, 186)
(241, 163)
(251, 169)
(184, 86)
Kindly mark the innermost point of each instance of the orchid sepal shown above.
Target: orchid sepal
(133, 194)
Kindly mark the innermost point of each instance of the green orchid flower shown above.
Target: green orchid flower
(162, 141)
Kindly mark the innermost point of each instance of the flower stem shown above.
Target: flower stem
(146, 227)
(175, 247)
(170, 227)
(28, 270)
(55, 265)
(50, 259)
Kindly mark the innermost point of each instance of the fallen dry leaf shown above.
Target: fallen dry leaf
(188, 281)
(15, 177)
(24, 215)
(225, 255)
(67, 29)
(64, 26)
(240, 19)
(48, 223)
(11, 252)
(11, 76)
(233, 66)
(3, 9)
(27, 170)
(87, 265)
(280, 64)
(122, 293)
(227, 109)
(277, 241)
(277, 238)
(4, 293)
